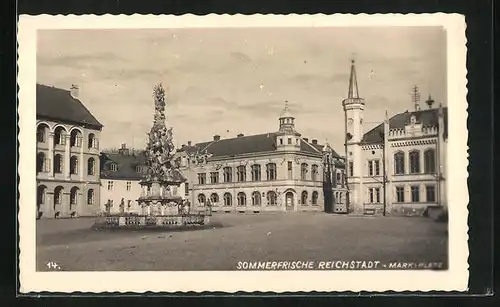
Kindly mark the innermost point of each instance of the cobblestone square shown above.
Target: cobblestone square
(72, 245)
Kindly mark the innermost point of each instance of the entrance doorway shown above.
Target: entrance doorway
(289, 201)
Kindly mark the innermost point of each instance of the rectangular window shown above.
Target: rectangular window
(370, 168)
(228, 174)
(214, 177)
(290, 167)
(374, 195)
(186, 189)
(400, 194)
(415, 194)
(202, 178)
(430, 192)
(289, 141)
(338, 178)
(241, 173)
(281, 141)
(351, 169)
(377, 167)
(129, 185)
(110, 185)
(314, 172)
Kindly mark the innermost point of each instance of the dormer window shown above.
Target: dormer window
(413, 119)
(139, 169)
(113, 167)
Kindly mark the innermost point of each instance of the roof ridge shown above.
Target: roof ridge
(310, 145)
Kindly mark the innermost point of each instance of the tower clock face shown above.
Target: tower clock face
(350, 121)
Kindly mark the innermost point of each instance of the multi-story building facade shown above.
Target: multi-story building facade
(276, 171)
(121, 174)
(409, 148)
(67, 161)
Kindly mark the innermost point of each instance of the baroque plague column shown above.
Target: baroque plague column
(159, 188)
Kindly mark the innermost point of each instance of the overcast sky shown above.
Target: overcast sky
(239, 79)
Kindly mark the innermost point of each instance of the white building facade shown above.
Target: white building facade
(67, 155)
(272, 172)
(409, 148)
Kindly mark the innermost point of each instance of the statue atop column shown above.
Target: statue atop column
(160, 147)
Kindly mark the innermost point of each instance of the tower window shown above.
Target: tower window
(289, 141)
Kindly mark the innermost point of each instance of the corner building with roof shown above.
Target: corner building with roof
(67, 160)
(277, 171)
(409, 148)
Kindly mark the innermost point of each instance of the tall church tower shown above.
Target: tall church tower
(353, 107)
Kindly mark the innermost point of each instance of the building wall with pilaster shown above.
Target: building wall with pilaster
(70, 204)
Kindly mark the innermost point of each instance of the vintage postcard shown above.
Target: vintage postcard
(271, 153)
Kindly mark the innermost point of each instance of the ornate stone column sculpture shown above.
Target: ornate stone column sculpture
(161, 172)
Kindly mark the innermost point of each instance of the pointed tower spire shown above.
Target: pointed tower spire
(353, 82)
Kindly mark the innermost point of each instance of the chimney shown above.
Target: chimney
(306, 139)
(240, 135)
(124, 150)
(315, 142)
(74, 90)
(189, 143)
(216, 138)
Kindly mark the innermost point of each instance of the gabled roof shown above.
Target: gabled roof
(427, 117)
(126, 166)
(58, 104)
(258, 143)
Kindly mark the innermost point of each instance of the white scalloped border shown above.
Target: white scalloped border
(454, 279)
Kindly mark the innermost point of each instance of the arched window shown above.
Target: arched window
(41, 133)
(399, 163)
(303, 198)
(256, 176)
(92, 141)
(256, 198)
(58, 194)
(414, 162)
(73, 196)
(41, 191)
(41, 165)
(228, 201)
(59, 136)
(271, 198)
(202, 199)
(75, 139)
(58, 163)
(90, 197)
(73, 165)
(214, 198)
(303, 171)
(241, 173)
(228, 174)
(314, 172)
(242, 199)
(314, 199)
(271, 171)
(430, 161)
(91, 166)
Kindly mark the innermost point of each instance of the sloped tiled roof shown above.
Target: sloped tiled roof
(258, 143)
(58, 104)
(127, 166)
(427, 117)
